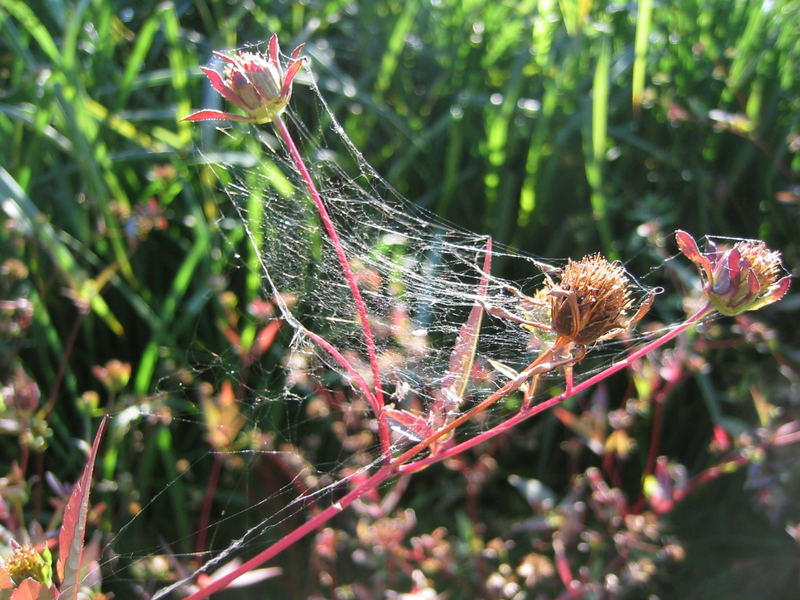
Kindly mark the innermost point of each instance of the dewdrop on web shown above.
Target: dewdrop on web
(254, 82)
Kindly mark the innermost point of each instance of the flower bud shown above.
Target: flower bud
(737, 279)
(25, 562)
(256, 83)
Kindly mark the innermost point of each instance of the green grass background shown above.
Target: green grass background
(557, 127)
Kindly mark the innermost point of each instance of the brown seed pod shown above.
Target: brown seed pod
(590, 300)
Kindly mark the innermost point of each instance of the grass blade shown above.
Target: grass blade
(596, 157)
(28, 19)
(643, 20)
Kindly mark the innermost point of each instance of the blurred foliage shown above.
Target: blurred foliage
(558, 127)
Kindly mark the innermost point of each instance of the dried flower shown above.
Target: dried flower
(738, 279)
(590, 301)
(254, 82)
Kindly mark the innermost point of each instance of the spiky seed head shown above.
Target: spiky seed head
(765, 264)
(590, 300)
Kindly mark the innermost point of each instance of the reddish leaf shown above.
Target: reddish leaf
(688, 246)
(218, 84)
(30, 589)
(73, 526)
(781, 287)
(455, 380)
(223, 418)
(6, 582)
(290, 75)
(224, 57)
(232, 335)
(264, 339)
(214, 115)
(274, 49)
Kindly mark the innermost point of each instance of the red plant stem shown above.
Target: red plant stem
(62, 366)
(655, 436)
(652, 453)
(562, 563)
(205, 511)
(375, 400)
(396, 465)
(527, 413)
(38, 497)
(358, 380)
(729, 466)
(24, 450)
(381, 475)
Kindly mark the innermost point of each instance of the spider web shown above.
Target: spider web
(420, 277)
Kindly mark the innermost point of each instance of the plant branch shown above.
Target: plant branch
(397, 464)
(381, 475)
(376, 399)
(358, 380)
(527, 413)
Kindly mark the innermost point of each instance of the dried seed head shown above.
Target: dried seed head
(590, 300)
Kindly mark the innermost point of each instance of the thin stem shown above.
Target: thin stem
(655, 436)
(503, 392)
(62, 366)
(525, 414)
(381, 475)
(562, 562)
(726, 467)
(208, 500)
(358, 380)
(397, 464)
(376, 400)
(711, 473)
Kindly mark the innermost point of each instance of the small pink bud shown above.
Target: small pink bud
(256, 83)
(737, 279)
